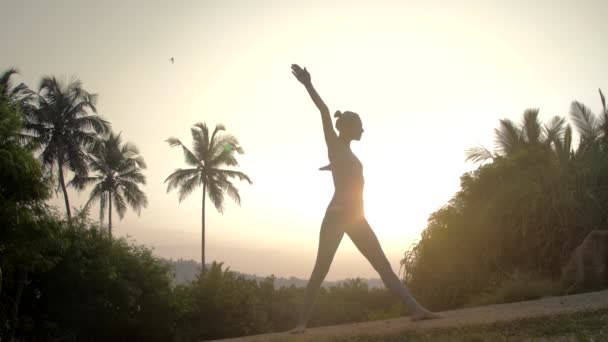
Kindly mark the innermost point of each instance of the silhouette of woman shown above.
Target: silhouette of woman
(345, 211)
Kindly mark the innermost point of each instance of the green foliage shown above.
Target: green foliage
(220, 304)
(524, 211)
(122, 285)
(95, 289)
(353, 301)
(66, 282)
(20, 173)
(25, 239)
(517, 287)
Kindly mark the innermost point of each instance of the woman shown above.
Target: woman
(345, 211)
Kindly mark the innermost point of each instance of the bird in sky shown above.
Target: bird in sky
(172, 60)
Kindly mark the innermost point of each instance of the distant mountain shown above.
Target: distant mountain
(187, 270)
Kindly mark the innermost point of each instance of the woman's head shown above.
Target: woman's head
(349, 125)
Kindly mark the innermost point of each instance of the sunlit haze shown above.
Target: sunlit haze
(429, 79)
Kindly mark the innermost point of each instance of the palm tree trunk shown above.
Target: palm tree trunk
(21, 284)
(110, 214)
(63, 188)
(203, 232)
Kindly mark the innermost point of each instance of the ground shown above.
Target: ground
(589, 309)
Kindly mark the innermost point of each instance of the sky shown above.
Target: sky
(428, 78)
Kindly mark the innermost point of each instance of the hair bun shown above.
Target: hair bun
(338, 114)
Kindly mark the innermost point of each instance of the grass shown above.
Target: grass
(582, 326)
(518, 287)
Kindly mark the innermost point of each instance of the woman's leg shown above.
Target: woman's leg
(366, 241)
(329, 240)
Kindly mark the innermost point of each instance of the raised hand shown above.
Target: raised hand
(301, 74)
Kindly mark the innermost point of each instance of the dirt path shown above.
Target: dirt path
(454, 318)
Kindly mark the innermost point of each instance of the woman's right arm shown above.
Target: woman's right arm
(304, 77)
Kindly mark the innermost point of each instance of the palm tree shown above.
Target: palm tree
(117, 169)
(209, 154)
(62, 128)
(511, 138)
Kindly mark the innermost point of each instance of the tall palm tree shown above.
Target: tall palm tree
(117, 175)
(210, 153)
(61, 127)
(531, 134)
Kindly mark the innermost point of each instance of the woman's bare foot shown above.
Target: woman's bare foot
(422, 313)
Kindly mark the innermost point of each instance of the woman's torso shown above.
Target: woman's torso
(347, 174)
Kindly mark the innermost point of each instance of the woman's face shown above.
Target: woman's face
(356, 130)
(359, 132)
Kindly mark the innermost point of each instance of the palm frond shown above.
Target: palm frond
(133, 176)
(179, 176)
(96, 194)
(81, 182)
(508, 137)
(225, 158)
(555, 129)
(225, 142)
(130, 158)
(215, 142)
(231, 190)
(531, 126)
(216, 195)
(136, 198)
(173, 142)
(231, 174)
(188, 186)
(92, 123)
(200, 140)
(5, 79)
(92, 100)
(119, 204)
(97, 164)
(76, 158)
(20, 94)
(563, 147)
(584, 120)
(84, 139)
(478, 154)
(568, 138)
(191, 159)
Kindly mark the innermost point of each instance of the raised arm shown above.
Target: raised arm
(304, 77)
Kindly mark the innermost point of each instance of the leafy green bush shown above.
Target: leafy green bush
(517, 287)
(526, 209)
(219, 304)
(98, 290)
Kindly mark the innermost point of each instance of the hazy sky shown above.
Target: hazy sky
(429, 79)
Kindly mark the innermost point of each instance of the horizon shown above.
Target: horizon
(429, 81)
